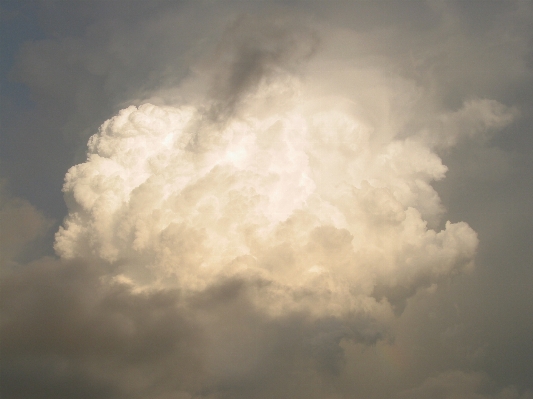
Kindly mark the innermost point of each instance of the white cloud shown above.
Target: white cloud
(308, 201)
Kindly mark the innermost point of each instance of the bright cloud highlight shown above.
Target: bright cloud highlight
(321, 214)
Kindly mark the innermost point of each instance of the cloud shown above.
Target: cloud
(475, 119)
(23, 228)
(294, 225)
(84, 334)
(307, 205)
(254, 221)
(252, 51)
(464, 385)
(66, 329)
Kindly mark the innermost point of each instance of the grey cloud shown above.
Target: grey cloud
(65, 331)
(23, 228)
(68, 328)
(251, 51)
(459, 384)
(75, 333)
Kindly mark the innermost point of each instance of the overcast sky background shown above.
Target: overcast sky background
(453, 77)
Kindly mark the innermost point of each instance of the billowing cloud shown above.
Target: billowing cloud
(262, 216)
(294, 194)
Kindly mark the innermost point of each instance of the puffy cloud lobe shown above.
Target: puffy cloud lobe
(306, 203)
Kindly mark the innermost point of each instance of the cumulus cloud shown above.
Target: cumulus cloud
(85, 335)
(302, 200)
(259, 212)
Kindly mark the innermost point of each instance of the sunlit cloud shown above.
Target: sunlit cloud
(306, 199)
(295, 200)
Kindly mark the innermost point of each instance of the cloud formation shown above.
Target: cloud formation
(260, 218)
(304, 201)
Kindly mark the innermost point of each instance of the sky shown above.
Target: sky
(266, 199)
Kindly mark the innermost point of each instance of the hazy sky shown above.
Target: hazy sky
(266, 199)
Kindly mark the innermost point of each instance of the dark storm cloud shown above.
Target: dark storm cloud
(71, 330)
